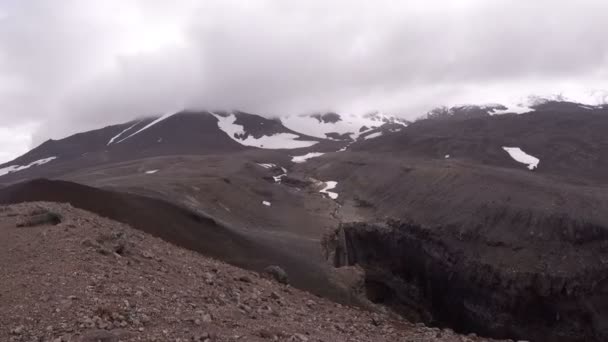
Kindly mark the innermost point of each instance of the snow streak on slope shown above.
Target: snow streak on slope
(373, 135)
(353, 124)
(275, 141)
(15, 168)
(302, 159)
(122, 132)
(163, 117)
(587, 107)
(522, 157)
(268, 166)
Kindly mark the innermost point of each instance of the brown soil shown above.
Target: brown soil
(93, 279)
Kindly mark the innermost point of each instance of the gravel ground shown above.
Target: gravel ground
(92, 279)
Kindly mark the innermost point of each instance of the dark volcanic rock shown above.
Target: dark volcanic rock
(98, 336)
(39, 219)
(257, 126)
(296, 182)
(425, 275)
(338, 136)
(277, 273)
(327, 117)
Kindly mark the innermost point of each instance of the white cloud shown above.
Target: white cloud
(80, 64)
(14, 141)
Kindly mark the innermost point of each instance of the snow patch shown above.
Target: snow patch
(517, 109)
(163, 117)
(122, 132)
(304, 158)
(447, 156)
(351, 124)
(329, 185)
(373, 135)
(277, 179)
(266, 203)
(16, 168)
(267, 165)
(522, 157)
(151, 172)
(275, 141)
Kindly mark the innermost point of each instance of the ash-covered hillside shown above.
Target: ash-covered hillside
(482, 219)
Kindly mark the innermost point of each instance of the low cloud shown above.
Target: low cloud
(76, 65)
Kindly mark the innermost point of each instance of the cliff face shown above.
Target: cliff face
(427, 275)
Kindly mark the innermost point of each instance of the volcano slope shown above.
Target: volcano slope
(204, 166)
(88, 278)
(181, 133)
(249, 247)
(477, 241)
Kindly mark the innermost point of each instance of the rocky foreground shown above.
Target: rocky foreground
(68, 275)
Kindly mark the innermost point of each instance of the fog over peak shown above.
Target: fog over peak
(80, 64)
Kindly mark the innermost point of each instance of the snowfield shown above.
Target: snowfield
(520, 156)
(151, 172)
(275, 141)
(16, 168)
(266, 203)
(304, 158)
(313, 127)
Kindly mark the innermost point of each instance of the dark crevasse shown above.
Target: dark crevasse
(419, 273)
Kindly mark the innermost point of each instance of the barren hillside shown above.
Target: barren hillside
(69, 275)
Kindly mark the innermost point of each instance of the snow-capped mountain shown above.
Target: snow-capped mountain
(222, 132)
(529, 105)
(470, 111)
(206, 132)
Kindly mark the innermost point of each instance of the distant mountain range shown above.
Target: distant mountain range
(204, 132)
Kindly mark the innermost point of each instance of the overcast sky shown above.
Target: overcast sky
(71, 65)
